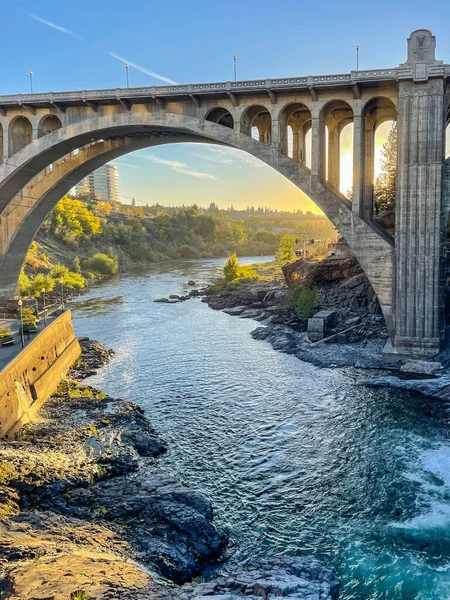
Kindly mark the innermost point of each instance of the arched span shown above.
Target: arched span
(222, 116)
(334, 116)
(48, 124)
(377, 111)
(297, 117)
(20, 134)
(257, 116)
(164, 127)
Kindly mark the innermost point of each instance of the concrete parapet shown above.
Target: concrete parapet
(34, 374)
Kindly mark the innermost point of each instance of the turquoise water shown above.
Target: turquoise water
(296, 459)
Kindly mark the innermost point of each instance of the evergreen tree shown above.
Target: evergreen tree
(385, 184)
(286, 251)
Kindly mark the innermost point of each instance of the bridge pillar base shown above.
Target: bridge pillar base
(407, 348)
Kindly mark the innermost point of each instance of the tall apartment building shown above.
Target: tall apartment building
(102, 184)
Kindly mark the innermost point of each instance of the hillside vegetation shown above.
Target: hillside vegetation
(88, 240)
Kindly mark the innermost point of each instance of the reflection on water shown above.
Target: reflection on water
(97, 306)
(294, 458)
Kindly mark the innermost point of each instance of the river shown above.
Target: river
(295, 459)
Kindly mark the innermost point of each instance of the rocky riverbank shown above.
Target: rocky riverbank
(343, 288)
(87, 512)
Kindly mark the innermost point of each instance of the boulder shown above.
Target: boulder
(235, 310)
(166, 300)
(191, 282)
(298, 578)
(421, 367)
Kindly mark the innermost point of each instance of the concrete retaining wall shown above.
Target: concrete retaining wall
(34, 374)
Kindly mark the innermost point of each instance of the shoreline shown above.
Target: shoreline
(86, 508)
(278, 325)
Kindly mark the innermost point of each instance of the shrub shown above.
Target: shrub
(39, 283)
(231, 268)
(102, 264)
(73, 281)
(29, 319)
(24, 284)
(5, 331)
(76, 265)
(59, 271)
(304, 301)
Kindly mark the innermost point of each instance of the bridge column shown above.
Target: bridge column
(358, 156)
(420, 215)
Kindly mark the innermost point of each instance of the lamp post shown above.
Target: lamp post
(21, 322)
(62, 295)
(357, 57)
(127, 67)
(45, 309)
(234, 64)
(31, 80)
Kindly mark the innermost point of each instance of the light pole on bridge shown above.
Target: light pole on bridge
(31, 80)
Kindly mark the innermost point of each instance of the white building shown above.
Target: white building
(102, 184)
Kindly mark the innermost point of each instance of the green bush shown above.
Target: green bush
(5, 331)
(39, 283)
(231, 268)
(303, 301)
(102, 264)
(73, 281)
(24, 284)
(29, 318)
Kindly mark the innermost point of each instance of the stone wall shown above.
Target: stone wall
(34, 374)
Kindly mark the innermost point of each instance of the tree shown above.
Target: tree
(385, 184)
(237, 234)
(231, 268)
(71, 219)
(286, 250)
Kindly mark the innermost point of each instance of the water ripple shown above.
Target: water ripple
(295, 458)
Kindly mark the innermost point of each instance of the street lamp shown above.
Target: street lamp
(21, 322)
(31, 80)
(45, 309)
(62, 294)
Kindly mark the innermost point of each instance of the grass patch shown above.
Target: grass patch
(234, 275)
(75, 390)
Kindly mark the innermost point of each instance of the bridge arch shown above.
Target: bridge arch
(375, 113)
(132, 131)
(257, 116)
(48, 124)
(20, 134)
(222, 116)
(297, 116)
(334, 116)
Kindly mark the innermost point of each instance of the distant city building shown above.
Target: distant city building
(102, 184)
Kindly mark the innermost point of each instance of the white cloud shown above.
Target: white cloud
(142, 69)
(127, 165)
(178, 166)
(54, 26)
(226, 155)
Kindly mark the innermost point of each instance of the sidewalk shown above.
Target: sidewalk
(7, 353)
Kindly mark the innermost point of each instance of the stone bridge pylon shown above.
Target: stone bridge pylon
(49, 142)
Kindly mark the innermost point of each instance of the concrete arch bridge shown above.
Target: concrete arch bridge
(50, 141)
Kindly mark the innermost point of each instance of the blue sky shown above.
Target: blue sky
(70, 46)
